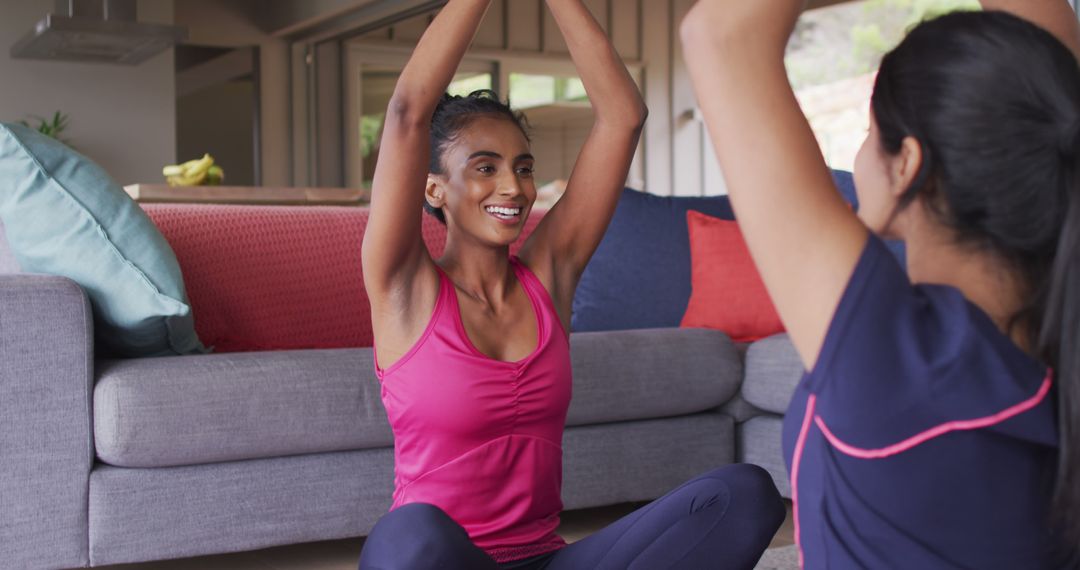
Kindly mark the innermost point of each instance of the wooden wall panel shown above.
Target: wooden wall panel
(636, 177)
(381, 34)
(624, 21)
(574, 136)
(656, 57)
(301, 80)
(599, 9)
(553, 41)
(492, 32)
(712, 178)
(412, 29)
(547, 148)
(524, 25)
(687, 133)
(329, 142)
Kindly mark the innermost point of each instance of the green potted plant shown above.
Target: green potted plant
(53, 127)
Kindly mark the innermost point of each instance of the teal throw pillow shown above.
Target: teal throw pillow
(63, 215)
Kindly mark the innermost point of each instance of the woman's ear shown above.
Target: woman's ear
(434, 193)
(905, 165)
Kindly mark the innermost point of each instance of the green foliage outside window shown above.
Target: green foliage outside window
(831, 58)
(528, 91)
(849, 40)
(371, 125)
(370, 131)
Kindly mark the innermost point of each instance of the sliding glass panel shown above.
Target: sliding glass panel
(377, 80)
(832, 59)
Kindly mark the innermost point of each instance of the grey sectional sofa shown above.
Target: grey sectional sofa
(105, 462)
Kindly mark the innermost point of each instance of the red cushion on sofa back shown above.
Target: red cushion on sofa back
(727, 292)
(277, 277)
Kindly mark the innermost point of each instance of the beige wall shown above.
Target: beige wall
(231, 23)
(680, 160)
(122, 117)
(219, 120)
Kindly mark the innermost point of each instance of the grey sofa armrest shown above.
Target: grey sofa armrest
(46, 451)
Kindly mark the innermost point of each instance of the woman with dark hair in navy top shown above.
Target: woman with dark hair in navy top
(935, 426)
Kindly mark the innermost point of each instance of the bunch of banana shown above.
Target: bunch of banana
(198, 172)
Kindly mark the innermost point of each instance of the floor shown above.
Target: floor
(343, 554)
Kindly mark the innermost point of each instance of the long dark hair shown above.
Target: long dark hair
(994, 102)
(452, 114)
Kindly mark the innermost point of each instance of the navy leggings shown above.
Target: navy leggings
(723, 519)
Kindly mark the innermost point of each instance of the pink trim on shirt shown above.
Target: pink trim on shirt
(800, 444)
(958, 425)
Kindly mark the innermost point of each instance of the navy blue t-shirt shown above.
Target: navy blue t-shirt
(923, 438)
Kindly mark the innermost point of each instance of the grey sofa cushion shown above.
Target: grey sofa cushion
(185, 410)
(172, 512)
(773, 370)
(759, 442)
(655, 373)
(189, 410)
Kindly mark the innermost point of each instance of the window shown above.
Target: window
(530, 90)
(560, 117)
(465, 83)
(378, 85)
(831, 61)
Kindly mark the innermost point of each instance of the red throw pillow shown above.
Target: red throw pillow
(727, 292)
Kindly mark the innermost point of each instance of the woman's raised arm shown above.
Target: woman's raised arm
(802, 236)
(565, 240)
(393, 251)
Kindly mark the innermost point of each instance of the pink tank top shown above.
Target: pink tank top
(482, 438)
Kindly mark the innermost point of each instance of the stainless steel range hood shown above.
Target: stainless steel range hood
(96, 31)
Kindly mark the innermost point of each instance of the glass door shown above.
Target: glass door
(371, 75)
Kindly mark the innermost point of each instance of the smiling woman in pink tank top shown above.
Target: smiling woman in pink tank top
(472, 349)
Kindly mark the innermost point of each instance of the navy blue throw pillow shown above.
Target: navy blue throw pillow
(639, 276)
(845, 183)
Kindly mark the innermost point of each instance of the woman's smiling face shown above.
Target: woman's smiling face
(487, 190)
